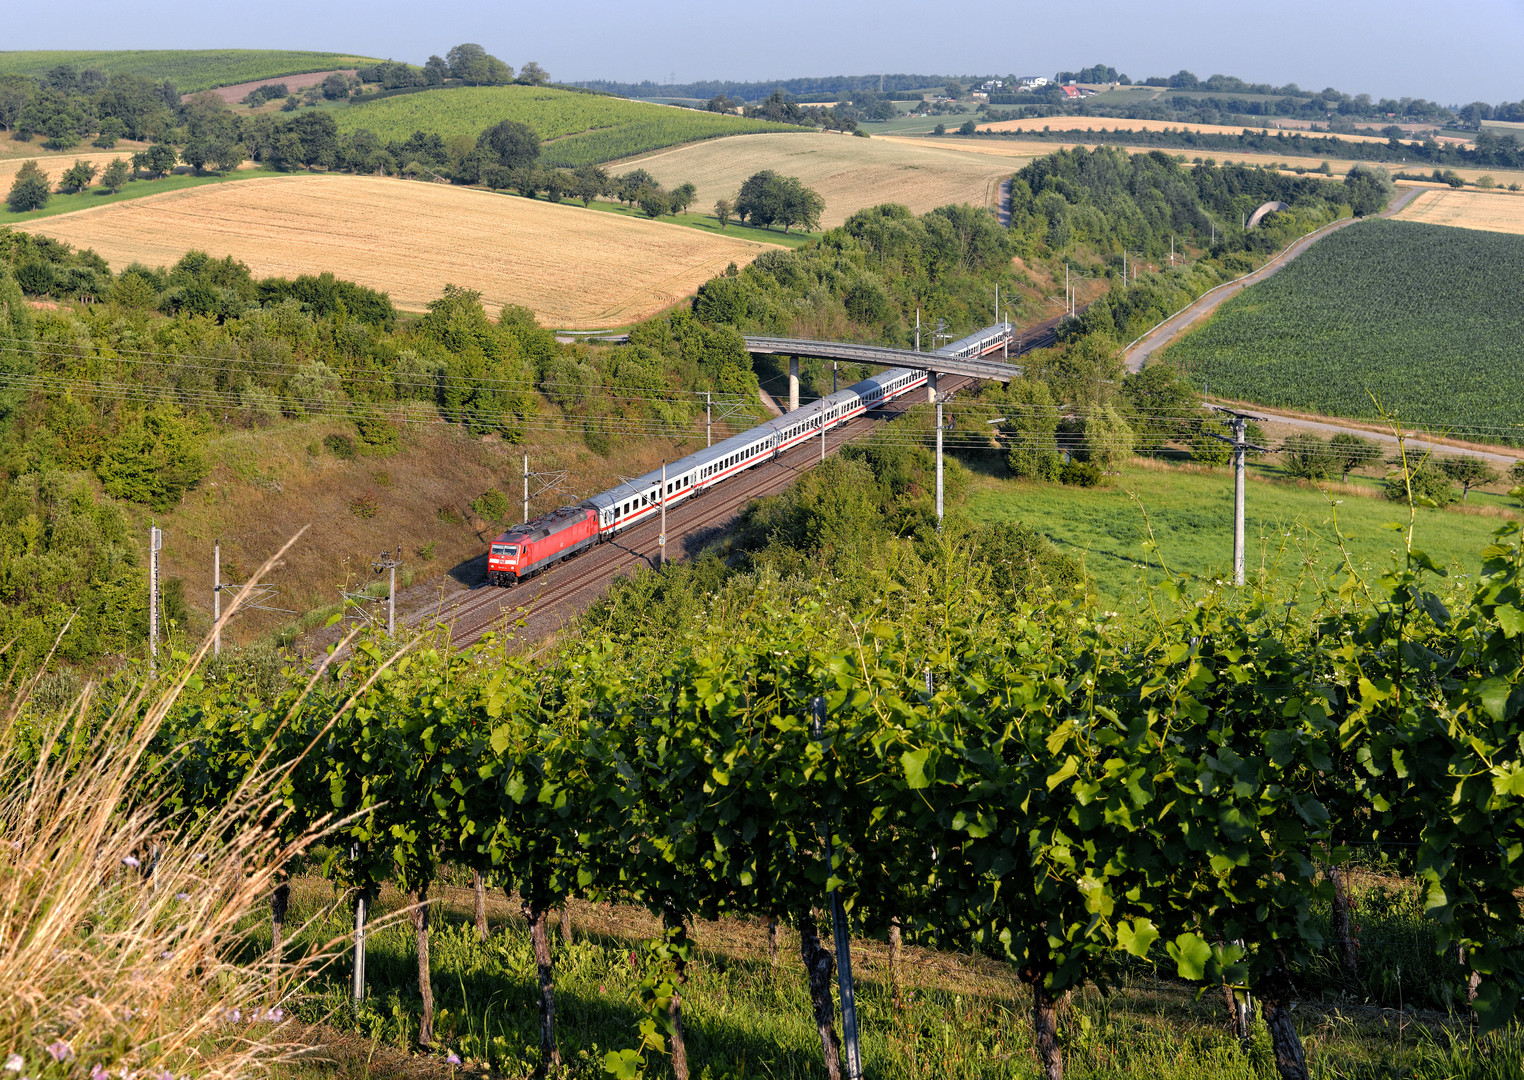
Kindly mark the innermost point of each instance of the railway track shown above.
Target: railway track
(555, 596)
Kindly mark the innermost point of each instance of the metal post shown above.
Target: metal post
(526, 487)
(833, 376)
(1068, 304)
(1124, 266)
(917, 329)
(939, 452)
(793, 383)
(1239, 454)
(216, 597)
(155, 541)
(391, 603)
(661, 540)
(997, 301)
(851, 1045)
(822, 434)
(708, 418)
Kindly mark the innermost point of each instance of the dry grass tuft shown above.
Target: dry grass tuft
(122, 922)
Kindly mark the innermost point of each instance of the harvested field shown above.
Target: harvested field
(55, 164)
(1016, 148)
(1487, 210)
(849, 173)
(573, 267)
(1116, 123)
(238, 91)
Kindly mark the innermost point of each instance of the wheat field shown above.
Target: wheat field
(1488, 210)
(849, 173)
(573, 267)
(1116, 123)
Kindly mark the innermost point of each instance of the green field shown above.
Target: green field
(1289, 526)
(577, 128)
(1425, 317)
(189, 69)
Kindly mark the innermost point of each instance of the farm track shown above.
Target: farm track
(552, 599)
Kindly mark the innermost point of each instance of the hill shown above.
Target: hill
(849, 173)
(571, 266)
(578, 127)
(189, 69)
(1423, 316)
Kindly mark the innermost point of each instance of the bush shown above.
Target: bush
(340, 446)
(1429, 486)
(449, 516)
(364, 507)
(1080, 474)
(491, 506)
(378, 436)
(154, 460)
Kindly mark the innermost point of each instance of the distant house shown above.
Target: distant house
(993, 84)
(1032, 82)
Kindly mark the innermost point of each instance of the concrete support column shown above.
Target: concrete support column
(793, 383)
(931, 387)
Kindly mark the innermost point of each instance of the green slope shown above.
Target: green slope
(584, 127)
(189, 69)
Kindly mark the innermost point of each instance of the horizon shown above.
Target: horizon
(1361, 47)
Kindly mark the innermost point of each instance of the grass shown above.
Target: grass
(1289, 526)
(136, 189)
(575, 128)
(1490, 211)
(189, 69)
(1420, 316)
(962, 1016)
(710, 223)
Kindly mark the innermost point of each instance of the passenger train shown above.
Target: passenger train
(526, 549)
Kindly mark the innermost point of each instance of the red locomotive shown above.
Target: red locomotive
(525, 550)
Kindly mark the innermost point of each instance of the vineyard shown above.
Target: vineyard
(1422, 317)
(189, 69)
(577, 128)
(1084, 798)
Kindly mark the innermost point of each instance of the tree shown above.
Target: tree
(1105, 439)
(336, 87)
(655, 202)
(473, 65)
(1368, 187)
(111, 130)
(722, 212)
(589, 182)
(515, 145)
(1516, 473)
(1429, 485)
(1350, 452)
(1468, 471)
(78, 176)
(116, 175)
(227, 155)
(532, 74)
(30, 190)
(161, 158)
(968, 127)
(1307, 456)
(154, 460)
(1030, 430)
(435, 71)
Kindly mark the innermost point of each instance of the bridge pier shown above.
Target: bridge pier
(931, 388)
(793, 383)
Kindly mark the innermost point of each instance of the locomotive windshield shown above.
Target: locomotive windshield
(510, 550)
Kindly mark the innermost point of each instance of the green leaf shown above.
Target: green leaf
(914, 764)
(1069, 768)
(1511, 619)
(1494, 694)
(1137, 936)
(1190, 952)
(624, 1064)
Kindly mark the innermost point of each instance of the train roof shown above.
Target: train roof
(542, 526)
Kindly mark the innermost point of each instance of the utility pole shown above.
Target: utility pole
(526, 487)
(822, 434)
(1124, 266)
(793, 383)
(661, 539)
(216, 597)
(917, 329)
(1068, 304)
(833, 376)
(997, 301)
(389, 562)
(1241, 447)
(155, 542)
(708, 418)
(1172, 249)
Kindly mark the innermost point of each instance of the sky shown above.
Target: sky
(1451, 53)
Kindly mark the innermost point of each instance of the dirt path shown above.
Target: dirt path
(1142, 350)
(1003, 204)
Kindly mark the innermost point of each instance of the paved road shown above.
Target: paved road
(1160, 336)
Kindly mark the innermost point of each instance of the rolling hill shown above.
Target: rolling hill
(189, 69)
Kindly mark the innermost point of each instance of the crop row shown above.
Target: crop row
(611, 127)
(189, 69)
(1422, 318)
